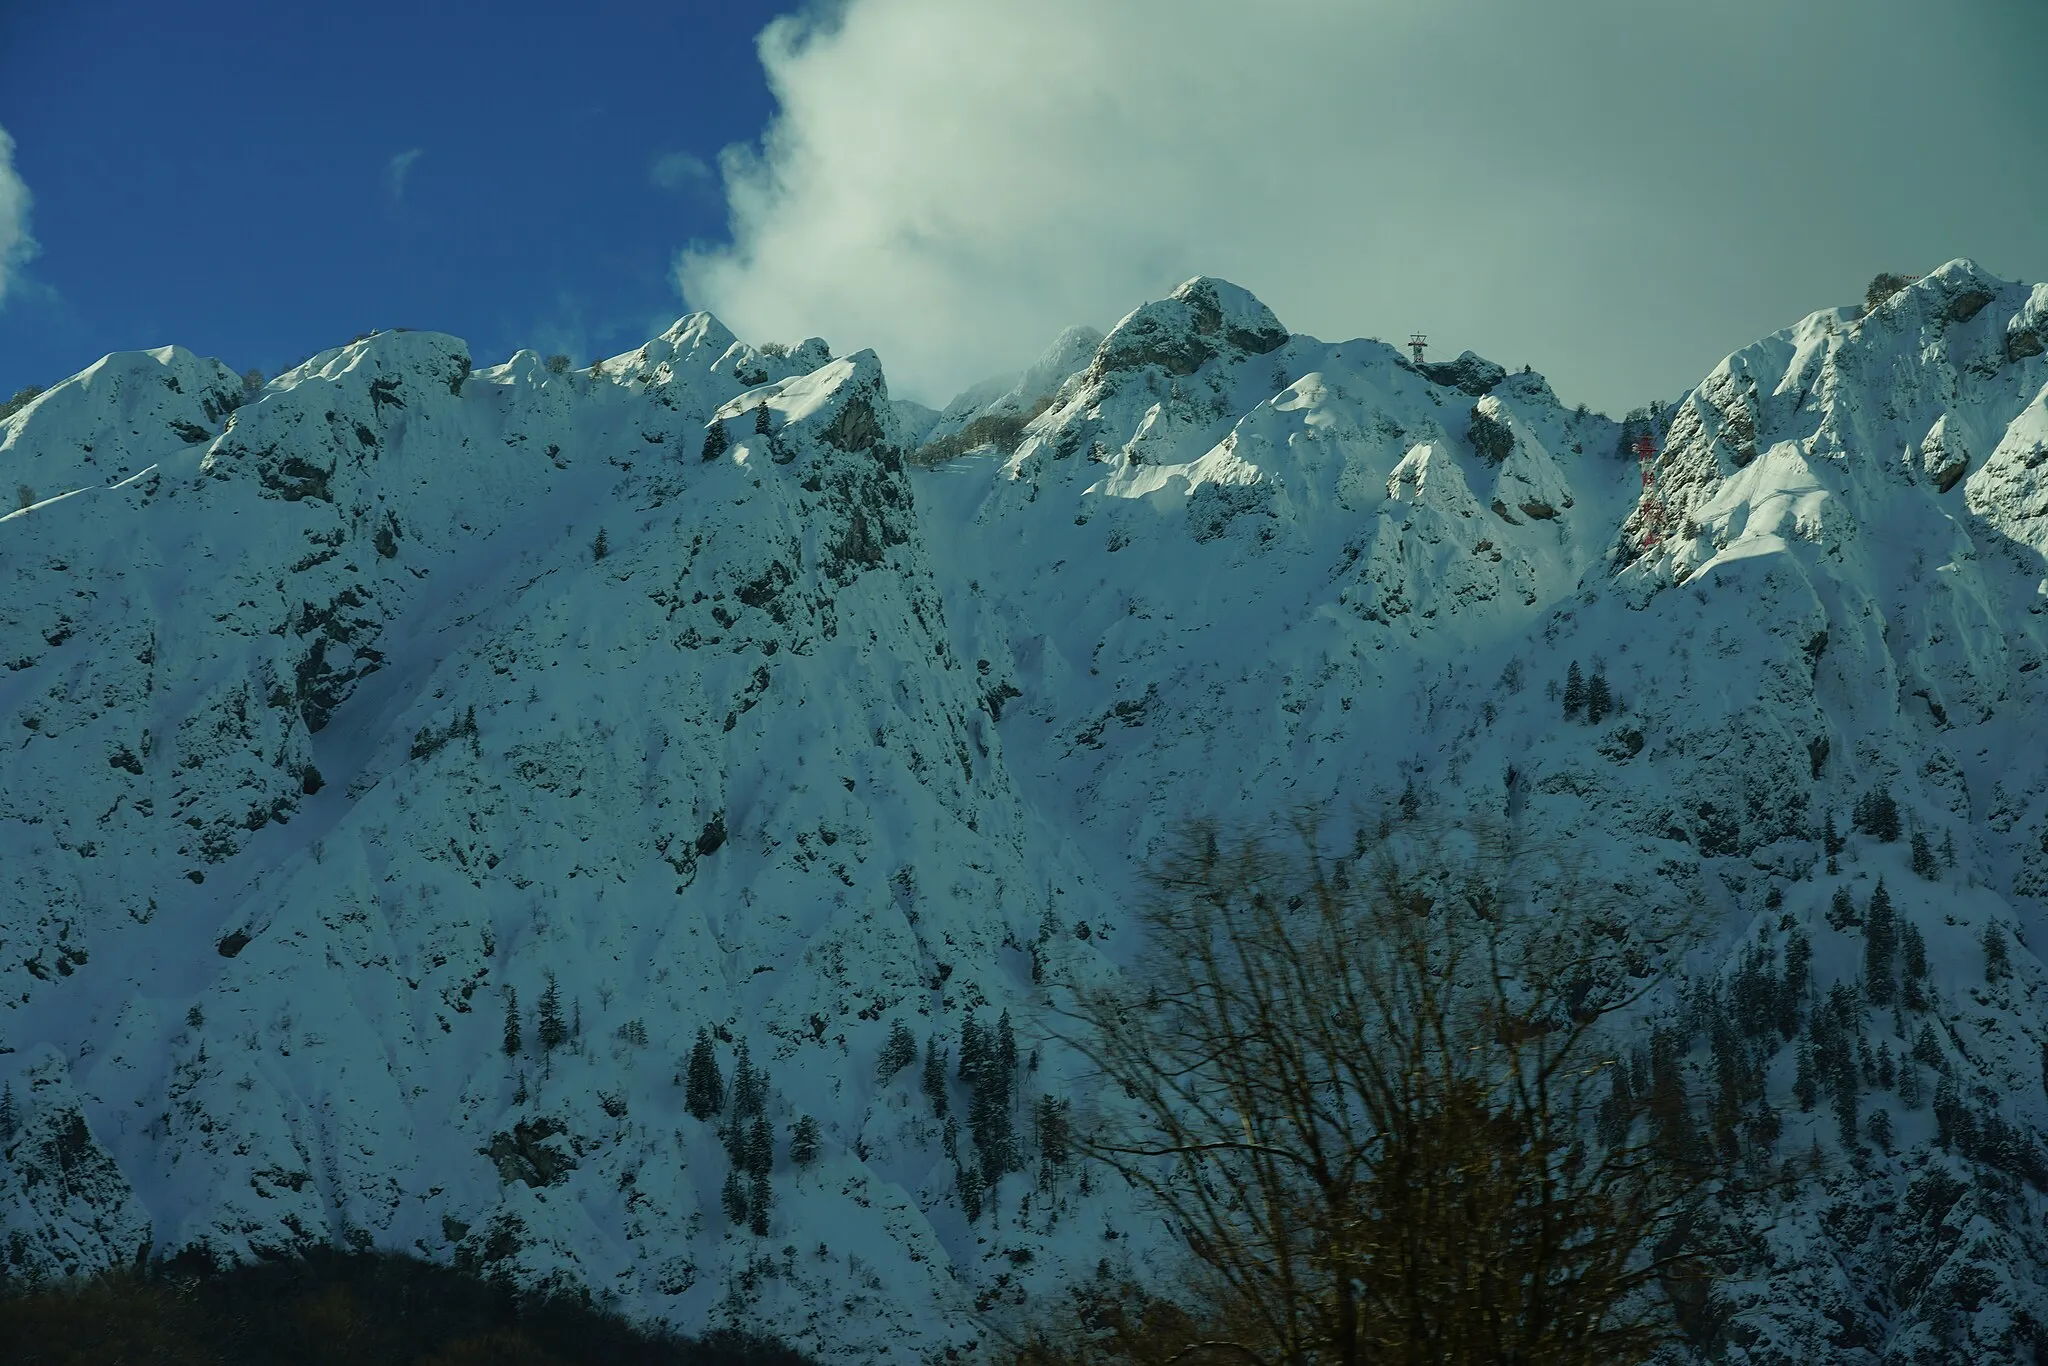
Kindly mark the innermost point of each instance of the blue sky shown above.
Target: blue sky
(1618, 192)
(261, 181)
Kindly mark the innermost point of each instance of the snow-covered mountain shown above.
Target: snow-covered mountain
(336, 713)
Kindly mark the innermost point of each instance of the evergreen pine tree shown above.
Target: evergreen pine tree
(1055, 1134)
(1672, 1128)
(762, 425)
(1574, 691)
(967, 1179)
(749, 1087)
(704, 1091)
(759, 1151)
(934, 1079)
(550, 1032)
(988, 1116)
(1923, 857)
(1832, 842)
(733, 1134)
(1948, 850)
(513, 1045)
(1804, 1086)
(1006, 1057)
(715, 441)
(972, 1049)
(600, 547)
(1798, 962)
(734, 1197)
(1915, 948)
(1927, 1049)
(1948, 1105)
(10, 1115)
(1997, 960)
(804, 1141)
(1598, 702)
(1877, 815)
(1841, 910)
(1611, 1124)
(1880, 1130)
(898, 1053)
(759, 1198)
(1912, 1093)
(1880, 938)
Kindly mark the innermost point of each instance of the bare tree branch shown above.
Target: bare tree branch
(1362, 1090)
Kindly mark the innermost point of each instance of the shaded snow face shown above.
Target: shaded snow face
(418, 685)
(410, 685)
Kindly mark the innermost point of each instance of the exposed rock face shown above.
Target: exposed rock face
(64, 1203)
(1202, 321)
(327, 733)
(1469, 373)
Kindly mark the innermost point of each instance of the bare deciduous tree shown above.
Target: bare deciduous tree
(1363, 1091)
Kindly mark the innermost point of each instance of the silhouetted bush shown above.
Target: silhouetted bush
(1883, 287)
(332, 1308)
(22, 398)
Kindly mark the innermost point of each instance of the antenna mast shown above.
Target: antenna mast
(1645, 449)
(1416, 342)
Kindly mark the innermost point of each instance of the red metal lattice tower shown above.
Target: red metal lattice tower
(1416, 342)
(1653, 507)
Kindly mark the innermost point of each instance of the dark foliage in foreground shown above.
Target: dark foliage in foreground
(1383, 1099)
(332, 1307)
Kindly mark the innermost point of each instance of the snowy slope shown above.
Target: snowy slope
(351, 732)
(1239, 577)
(326, 725)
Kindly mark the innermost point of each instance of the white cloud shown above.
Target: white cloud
(677, 171)
(397, 169)
(1617, 191)
(16, 246)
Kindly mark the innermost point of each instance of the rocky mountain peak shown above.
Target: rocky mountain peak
(406, 695)
(1203, 320)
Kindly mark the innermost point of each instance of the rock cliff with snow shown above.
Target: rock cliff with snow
(404, 766)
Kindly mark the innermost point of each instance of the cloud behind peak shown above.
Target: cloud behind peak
(16, 246)
(955, 182)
